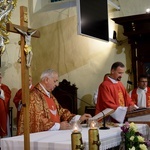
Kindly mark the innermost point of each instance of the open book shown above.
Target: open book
(119, 114)
(139, 110)
(103, 114)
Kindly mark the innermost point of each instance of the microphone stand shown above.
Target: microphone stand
(58, 88)
(104, 123)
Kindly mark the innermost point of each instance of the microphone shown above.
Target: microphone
(58, 88)
(103, 119)
(104, 127)
(104, 123)
(130, 82)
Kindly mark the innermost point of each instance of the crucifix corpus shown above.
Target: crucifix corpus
(26, 56)
(27, 47)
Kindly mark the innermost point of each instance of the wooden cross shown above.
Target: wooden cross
(24, 71)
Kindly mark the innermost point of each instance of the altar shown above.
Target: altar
(61, 140)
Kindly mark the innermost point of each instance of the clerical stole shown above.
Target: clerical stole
(136, 98)
(53, 110)
(121, 99)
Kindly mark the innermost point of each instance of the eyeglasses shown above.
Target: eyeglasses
(143, 81)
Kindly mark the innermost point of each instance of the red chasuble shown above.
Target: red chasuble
(112, 95)
(4, 110)
(53, 110)
(18, 101)
(40, 114)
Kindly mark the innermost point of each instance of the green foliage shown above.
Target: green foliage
(132, 138)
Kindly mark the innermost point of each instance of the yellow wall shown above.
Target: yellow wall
(81, 60)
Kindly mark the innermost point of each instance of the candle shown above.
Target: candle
(93, 133)
(76, 137)
(76, 128)
(93, 125)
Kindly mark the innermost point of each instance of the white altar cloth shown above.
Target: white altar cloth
(61, 140)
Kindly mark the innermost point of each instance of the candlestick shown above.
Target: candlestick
(93, 133)
(76, 141)
(76, 137)
(94, 141)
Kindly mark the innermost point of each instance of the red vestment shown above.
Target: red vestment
(112, 95)
(52, 107)
(134, 97)
(4, 110)
(17, 98)
(39, 112)
(18, 101)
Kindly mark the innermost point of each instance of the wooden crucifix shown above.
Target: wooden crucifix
(24, 68)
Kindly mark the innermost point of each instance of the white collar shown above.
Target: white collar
(47, 93)
(112, 80)
(142, 89)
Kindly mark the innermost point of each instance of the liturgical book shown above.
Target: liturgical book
(103, 114)
(119, 114)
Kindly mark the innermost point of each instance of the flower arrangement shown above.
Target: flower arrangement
(133, 140)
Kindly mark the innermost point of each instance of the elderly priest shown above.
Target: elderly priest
(45, 111)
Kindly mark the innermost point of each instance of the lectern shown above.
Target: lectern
(141, 115)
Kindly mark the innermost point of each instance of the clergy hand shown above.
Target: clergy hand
(85, 117)
(131, 108)
(65, 125)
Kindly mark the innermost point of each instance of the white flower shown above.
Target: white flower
(133, 127)
(132, 138)
(143, 147)
(133, 148)
(140, 138)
